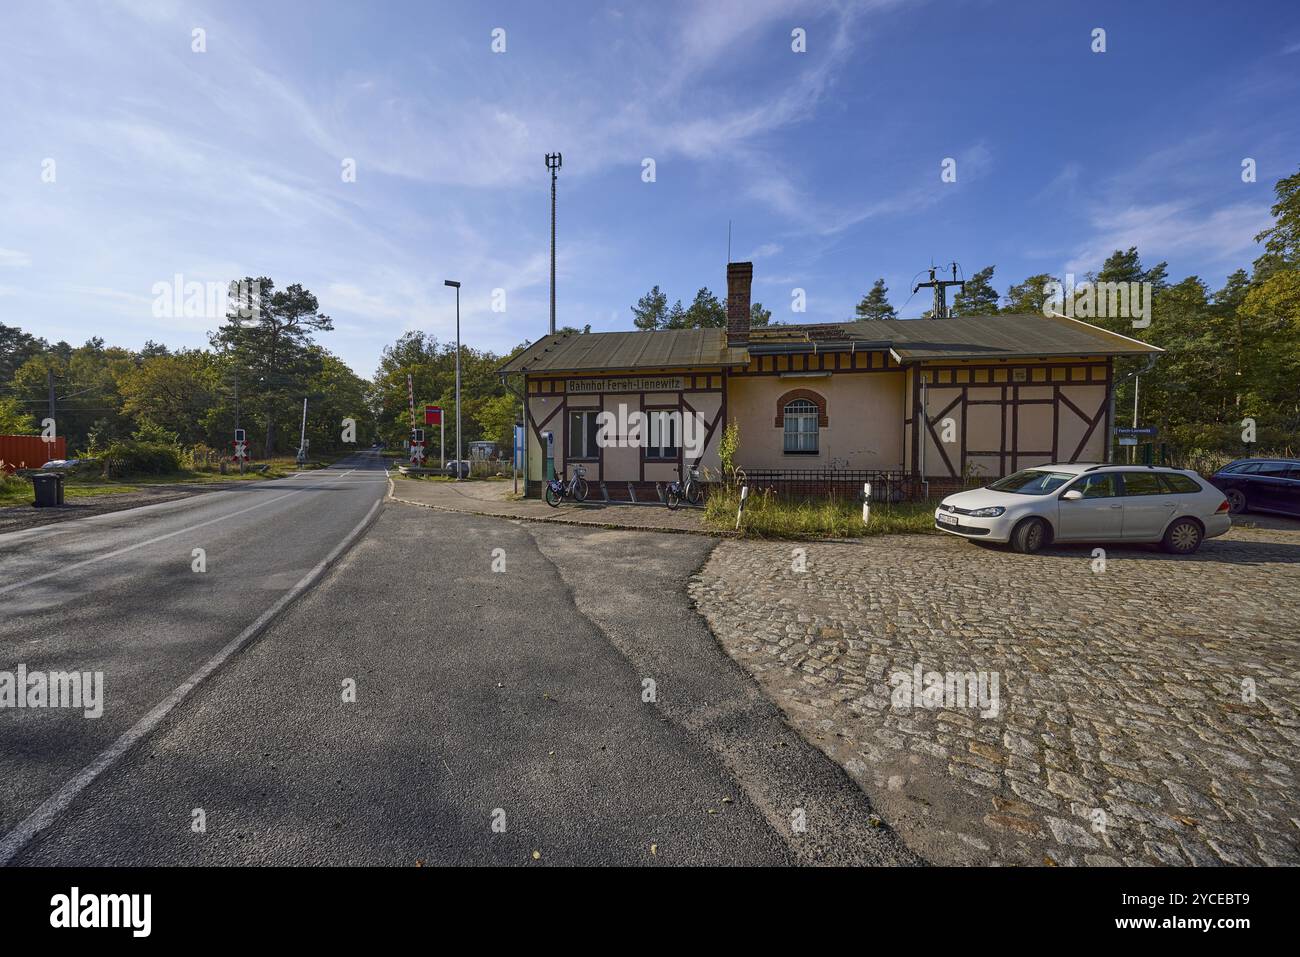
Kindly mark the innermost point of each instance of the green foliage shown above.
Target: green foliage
(767, 515)
(1282, 239)
(758, 316)
(174, 391)
(650, 311)
(15, 420)
(706, 311)
(267, 341)
(125, 457)
(875, 304)
(432, 367)
(496, 419)
(728, 446)
(1028, 296)
(977, 297)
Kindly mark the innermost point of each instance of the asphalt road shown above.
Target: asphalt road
(118, 594)
(500, 717)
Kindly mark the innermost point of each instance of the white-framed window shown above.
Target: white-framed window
(582, 435)
(665, 434)
(800, 427)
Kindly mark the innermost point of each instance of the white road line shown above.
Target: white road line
(152, 541)
(130, 548)
(106, 518)
(57, 803)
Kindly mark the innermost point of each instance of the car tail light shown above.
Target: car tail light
(1223, 507)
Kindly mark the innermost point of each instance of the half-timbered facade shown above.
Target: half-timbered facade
(937, 400)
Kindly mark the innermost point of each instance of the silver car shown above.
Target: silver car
(1089, 503)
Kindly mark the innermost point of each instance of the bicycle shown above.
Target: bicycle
(691, 490)
(576, 488)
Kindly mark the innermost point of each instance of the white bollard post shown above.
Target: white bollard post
(744, 494)
(866, 503)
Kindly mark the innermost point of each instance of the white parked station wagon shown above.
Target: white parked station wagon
(1089, 503)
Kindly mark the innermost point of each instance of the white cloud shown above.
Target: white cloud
(1163, 230)
(12, 257)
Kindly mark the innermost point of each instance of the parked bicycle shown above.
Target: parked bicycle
(576, 488)
(691, 490)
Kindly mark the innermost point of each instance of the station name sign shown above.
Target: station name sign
(668, 383)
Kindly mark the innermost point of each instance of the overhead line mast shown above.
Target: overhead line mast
(940, 287)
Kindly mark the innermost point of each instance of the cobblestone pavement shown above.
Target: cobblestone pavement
(1145, 713)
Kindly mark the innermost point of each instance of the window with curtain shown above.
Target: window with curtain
(801, 427)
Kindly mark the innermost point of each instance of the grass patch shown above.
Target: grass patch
(20, 492)
(767, 516)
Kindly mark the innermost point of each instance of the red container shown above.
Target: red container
(30, 451)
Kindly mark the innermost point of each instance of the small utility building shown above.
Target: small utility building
(932, 399)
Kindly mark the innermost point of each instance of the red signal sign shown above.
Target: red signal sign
(433, 415)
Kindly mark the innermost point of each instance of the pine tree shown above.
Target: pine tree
(875, 304)
(650, 311)
(977, 297)
(706, 312)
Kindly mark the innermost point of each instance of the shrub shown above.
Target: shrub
(200, 458)
(135, 457)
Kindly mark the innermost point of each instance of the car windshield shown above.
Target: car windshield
(1032, 482)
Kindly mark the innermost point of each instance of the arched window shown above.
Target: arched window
(800, 421)
(800, 413)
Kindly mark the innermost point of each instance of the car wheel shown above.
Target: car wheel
(1236, 500)
(1183, 537)
(1029, 536)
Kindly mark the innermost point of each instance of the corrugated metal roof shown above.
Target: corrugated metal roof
(974, 337)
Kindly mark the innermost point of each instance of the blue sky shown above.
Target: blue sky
(228, 162)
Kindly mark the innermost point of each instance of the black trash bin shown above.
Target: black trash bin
(49, 489)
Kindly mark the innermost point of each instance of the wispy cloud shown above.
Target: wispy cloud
(1161, 230)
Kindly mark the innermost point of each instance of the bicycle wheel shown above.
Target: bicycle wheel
(552, 497)
(695, 495)
(580, 491)
(673, 498)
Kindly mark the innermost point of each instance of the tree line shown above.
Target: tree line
(1232, 356)
(1231, 368)
(261, 363)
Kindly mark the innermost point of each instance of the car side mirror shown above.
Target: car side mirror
(1073, 495)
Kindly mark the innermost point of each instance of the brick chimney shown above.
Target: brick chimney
(739, 278)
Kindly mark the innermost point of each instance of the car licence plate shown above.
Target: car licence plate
(947, 518)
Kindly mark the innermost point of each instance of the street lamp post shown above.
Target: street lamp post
(456, 285)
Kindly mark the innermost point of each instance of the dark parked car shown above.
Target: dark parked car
(1261, 485)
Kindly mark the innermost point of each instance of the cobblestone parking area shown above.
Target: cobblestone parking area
(1142, 714)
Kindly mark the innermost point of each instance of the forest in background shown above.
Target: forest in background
(1232, 354)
